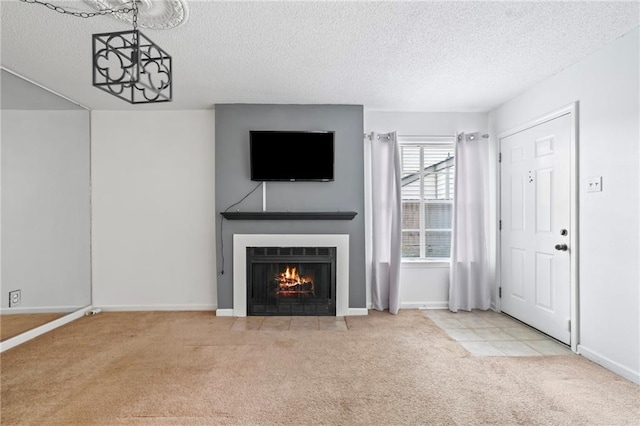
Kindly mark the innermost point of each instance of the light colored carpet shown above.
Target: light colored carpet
(187, 368)
(13, 324)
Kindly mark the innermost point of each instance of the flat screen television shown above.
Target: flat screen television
(291, 155)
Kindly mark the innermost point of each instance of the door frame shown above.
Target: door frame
(571, 110)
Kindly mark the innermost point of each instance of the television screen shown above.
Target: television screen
(291, 156)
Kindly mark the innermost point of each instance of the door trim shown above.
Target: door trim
(571, 110)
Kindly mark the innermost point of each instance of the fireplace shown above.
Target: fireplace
(291, 280)
(242, 241)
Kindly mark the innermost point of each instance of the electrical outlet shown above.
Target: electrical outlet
(15, 297)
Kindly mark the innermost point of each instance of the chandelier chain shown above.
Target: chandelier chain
(102, 12)
(135, 15)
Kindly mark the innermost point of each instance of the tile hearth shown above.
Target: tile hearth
(280, 323)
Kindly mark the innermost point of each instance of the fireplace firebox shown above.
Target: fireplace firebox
(291, 281)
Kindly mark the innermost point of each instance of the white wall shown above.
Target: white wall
(153, 210)
(606, 86)
(424, 284)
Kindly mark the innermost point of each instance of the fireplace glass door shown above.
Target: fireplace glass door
(291, 281)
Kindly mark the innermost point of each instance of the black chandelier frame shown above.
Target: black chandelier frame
(142, 71)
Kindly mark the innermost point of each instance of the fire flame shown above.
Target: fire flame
(290, 281)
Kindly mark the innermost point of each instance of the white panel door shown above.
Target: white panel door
(536, 215)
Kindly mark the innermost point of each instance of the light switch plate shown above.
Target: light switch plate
(594, 184)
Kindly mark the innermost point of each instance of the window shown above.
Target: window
(427, 197)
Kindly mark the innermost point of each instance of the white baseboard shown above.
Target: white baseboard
(147, 308)
(609, 364)
(35, 332)
(424, 305)
(224, 312)
(419, 305)
(40, 310)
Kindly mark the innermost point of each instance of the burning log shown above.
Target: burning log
(290, 283)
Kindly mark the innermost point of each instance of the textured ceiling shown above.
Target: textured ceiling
(394, 56)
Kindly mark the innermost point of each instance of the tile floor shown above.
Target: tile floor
(488, 333)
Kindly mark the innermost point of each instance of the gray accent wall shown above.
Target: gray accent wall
(345, 193)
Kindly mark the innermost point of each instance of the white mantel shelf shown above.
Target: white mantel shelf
(338, 215)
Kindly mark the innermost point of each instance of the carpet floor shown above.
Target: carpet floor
(13, 324)
(184, 368)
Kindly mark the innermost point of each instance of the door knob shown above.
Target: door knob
(562, 247)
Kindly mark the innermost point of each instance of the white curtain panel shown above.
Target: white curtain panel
(386, 218)
(469, 286)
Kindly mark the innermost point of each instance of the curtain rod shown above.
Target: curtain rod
(387, 136)
(470, 136)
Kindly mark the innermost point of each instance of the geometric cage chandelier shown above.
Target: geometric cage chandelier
(127, 64)
(130, 66)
